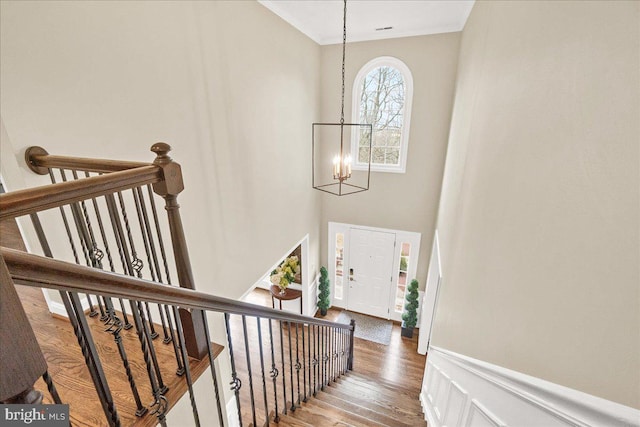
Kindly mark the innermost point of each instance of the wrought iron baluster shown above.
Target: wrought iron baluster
(92, 310)
(274, 374)
(187, 368)
(235, 383)
(293, 406)
(136, 263)
(85, 245)
(304, 368)
(146, 343)
(352, 330)
(51, 387)
(163, 254)
(264, 381)
(284, 372)
(248, 356)
(315, 357)
(96, 209)
(149, 250)
(212, 367)
(297, 365)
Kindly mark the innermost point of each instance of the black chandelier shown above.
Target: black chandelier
(333, 167)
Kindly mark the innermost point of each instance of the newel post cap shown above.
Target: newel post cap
(172, 172)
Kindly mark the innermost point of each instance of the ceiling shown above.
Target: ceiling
(321, 20)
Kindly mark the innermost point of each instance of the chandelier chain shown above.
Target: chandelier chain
(344, 46)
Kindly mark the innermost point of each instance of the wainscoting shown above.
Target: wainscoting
(461, 391)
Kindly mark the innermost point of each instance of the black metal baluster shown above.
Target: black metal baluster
(137, 264)
(154, 211)
(248, 356)
(315, 358)
(147, 241)
(84, 244)
(274, 374)
(96, 209)
(298, 364)
(91, 357)
(293, 406)
(330, 354)
(235, 383)
(352, 330)
(87, 235)
(158, 388)
(187, 368)
(325, 358)
(264, 381)
(51, 387)
(304, 368)
(92, 310)
(284, 372)
(212, 367)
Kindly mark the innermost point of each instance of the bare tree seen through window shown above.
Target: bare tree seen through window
(382, 105)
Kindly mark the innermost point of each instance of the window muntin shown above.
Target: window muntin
(383, 89)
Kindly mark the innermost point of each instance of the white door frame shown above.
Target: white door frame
(431, 293)
(402, 236)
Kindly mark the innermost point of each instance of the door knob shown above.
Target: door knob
(351, 274)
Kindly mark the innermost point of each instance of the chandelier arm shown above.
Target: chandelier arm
(344, 48)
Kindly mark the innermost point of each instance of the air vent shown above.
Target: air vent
(384, 28)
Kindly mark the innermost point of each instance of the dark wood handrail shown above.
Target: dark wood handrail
(31, 200)
(36, 271)
(40, 161)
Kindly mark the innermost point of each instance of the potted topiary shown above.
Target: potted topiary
(323, 297)
(410, 316)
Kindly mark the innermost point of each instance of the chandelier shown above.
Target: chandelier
(333, 167)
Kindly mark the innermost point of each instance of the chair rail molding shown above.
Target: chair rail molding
(461, 391)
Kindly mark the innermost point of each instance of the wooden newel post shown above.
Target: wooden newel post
(169, 188)
(351, 335)
(21, 360)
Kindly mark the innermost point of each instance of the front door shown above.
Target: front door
(370, 271)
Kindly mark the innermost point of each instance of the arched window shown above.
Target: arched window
(382, 94)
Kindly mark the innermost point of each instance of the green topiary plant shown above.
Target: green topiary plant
(323, 297)
(410, 316)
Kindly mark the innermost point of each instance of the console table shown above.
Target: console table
(289, 294)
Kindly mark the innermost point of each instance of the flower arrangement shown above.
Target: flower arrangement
(285, 273)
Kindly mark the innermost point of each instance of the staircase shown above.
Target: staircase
(130, 362)
(361, 401)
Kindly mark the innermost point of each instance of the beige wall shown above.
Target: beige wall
(108, 79)
(538, 219)
(398, 201)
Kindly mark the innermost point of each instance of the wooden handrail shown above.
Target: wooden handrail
(36, 271)
(31, 200)
(40, 161)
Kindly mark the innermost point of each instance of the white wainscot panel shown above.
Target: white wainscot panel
(456, 405)
(461, 391)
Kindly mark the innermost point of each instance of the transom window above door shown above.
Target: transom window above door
(382, 94)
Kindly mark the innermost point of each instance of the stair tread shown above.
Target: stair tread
(389, 405)
(399, 401)
(320, 413)
(356, 409)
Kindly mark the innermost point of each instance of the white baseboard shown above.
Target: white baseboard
(58, 308)
(462, 391)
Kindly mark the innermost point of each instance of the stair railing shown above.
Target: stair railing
(328, 355)
(107, 208)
